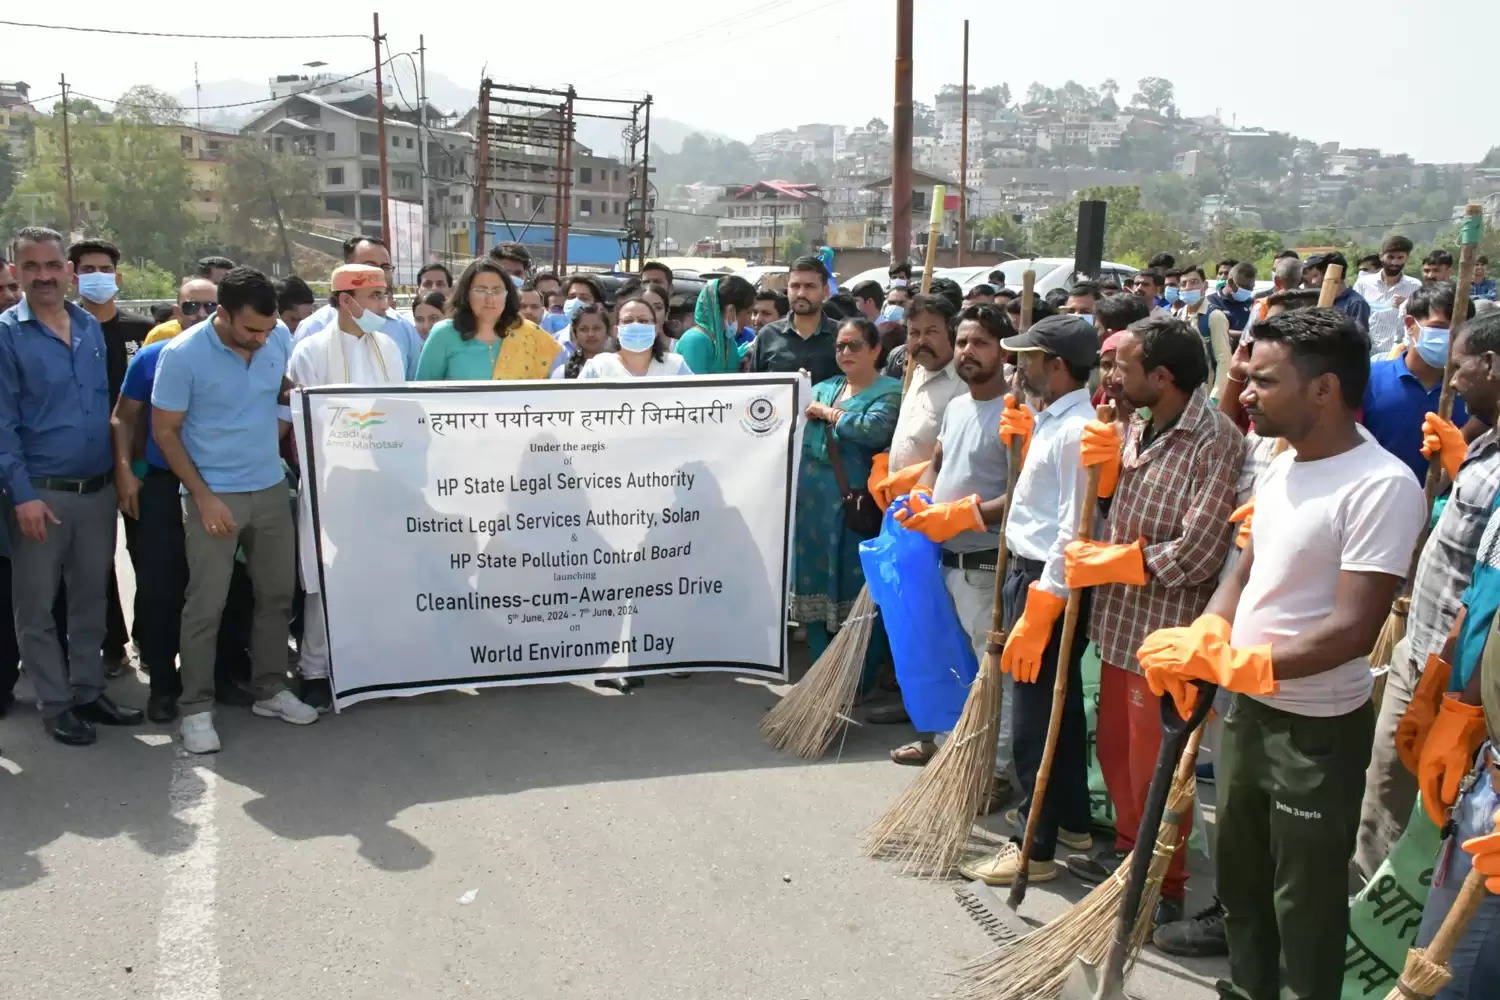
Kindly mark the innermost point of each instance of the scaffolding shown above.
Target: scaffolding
(526, 137)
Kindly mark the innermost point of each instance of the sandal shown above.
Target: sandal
(914, 754)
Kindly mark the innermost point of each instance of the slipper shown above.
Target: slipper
(914, 754)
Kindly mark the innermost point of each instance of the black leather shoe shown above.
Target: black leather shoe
(161, 708)
(68, 728)
(104, 712)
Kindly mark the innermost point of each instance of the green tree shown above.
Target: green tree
(1002, 226)
(791, 242)
(1000, 94)
(146, 281)
(145, 103)
(1039, 94)
(264, 193)
(923, 120)
(7, 171)
(1155, 94)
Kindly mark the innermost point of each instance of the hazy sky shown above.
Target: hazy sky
(740, 67)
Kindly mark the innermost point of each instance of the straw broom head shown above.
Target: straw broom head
(1392, 632)
(1421, 977)
(806, 721)
(927, 828)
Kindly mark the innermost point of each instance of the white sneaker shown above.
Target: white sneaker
(198, 734)
(286, 707)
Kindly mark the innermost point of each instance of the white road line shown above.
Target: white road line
(187, 949)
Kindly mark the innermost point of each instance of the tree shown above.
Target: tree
(877, 126)
(264, 192)
(1492, 158)
(1039, 94)
(1155, 93)
(1005, 228)
(791, 242)
(1000, 94)
(1075, 97)
(7, 171)
(923, 119)
(1109, 88)
(144, 103)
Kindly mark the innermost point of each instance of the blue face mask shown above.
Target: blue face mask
(571, 307)
(97, 286)
(731, 330)
(1432, 345)
(1170, 293)
(370, 321)
(636, 336)
(893, 314)
(554, 322)
(1190, 296)
(1243, 295)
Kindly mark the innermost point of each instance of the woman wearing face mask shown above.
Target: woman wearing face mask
(641, 346)
(854, 412)
(590, 337)
(580, 290)
(486, 338)
(711, 346)
(427, 310)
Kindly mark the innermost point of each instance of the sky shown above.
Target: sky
(739, 67)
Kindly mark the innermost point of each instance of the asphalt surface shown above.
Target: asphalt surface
(555, 841)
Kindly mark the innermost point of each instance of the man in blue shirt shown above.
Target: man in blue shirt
(54, 463)
(1483, 286)
(371, 250)
(1235, 297)
(215, 417)
(1404, 389)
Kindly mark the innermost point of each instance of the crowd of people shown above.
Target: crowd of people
(1259, 500)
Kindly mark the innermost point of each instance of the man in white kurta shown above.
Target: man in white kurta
(351, 351)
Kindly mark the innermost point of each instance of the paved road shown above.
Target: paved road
(640, 846)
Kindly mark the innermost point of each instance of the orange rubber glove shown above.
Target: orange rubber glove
(1100, 445)
(1448, 755)
(1022, 658)
(1089, 564)
(1440, 437)
(885, 485)
(1486, 851)
(1015, 419)
(942, 521)
(1422, 712)
(1242, 516)
(1201, 652)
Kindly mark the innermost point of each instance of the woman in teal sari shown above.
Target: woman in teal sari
(710, 346)
(861, 406)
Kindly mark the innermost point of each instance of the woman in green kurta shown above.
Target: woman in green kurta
(487, 338)
(861, 405)
(710, 347)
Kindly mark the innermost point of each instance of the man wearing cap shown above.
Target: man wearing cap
(1347, 301)
(1158, 559)
(1054, 358)
(1386, 292)
(354, 351)
(371, 250)
(216, 416)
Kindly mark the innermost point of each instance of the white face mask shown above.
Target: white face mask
(370, 321)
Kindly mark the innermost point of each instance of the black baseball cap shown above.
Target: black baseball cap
(1063, 335)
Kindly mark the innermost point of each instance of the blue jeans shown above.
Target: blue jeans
(1476, 960)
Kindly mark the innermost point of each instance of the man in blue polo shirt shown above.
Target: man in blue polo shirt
(149, 496)
(1404, 389)
(216, 418)
(54, 463)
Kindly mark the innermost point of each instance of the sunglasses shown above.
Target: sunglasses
(849, 347)
(191, 308)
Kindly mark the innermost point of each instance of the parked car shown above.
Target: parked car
(1051, 272)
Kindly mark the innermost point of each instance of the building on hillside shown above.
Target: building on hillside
(17, 118)
(204, 151)
(755, 219)
(922, 189)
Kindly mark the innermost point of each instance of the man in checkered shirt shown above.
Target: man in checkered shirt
(1158, 560)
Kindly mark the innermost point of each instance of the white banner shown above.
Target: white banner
(481, 533)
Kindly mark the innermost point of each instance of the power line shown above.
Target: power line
(173, 34)
(240, 104)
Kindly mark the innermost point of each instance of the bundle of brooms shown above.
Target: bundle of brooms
(817, 707)
(1036, 966)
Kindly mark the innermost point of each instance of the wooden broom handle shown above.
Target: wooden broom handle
(1332, 279)
(1002, 553)
(1470, 896)
(1028, 292)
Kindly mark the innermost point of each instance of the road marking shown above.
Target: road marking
(187, 949)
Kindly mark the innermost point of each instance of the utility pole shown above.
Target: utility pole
(68, 158)
(482, 166)
(198, 96)
(560, 211)
(567, 179)
(423, 130)
(385, 207)
(963, 158)
(645, 187)
(775, 227)
(901, 138)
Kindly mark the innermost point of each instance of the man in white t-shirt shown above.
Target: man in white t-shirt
(352, 350)
(1335, 521)
(1387, 290)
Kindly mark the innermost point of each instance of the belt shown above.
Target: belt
(63, 484)
(983, 559)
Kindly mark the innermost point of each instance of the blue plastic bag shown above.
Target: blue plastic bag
(934, 660)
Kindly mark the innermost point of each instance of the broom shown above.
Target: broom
(1426, 971)
(927, 827)
(805, 721)
(1084, 527)
(1394, 628)
(1036, 966)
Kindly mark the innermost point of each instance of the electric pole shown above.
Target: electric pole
(385, 206)
(901, 138)
(68, 158)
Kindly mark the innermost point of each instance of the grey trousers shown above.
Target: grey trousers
(267, 533)
(79, 552)
(1390, 789)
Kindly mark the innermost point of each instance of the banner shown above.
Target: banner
(1386, 914)
(482, 533)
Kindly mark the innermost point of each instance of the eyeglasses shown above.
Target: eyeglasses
(191, 308)
(849, 347)
(488, 293)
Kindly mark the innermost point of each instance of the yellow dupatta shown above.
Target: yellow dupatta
(526, 352)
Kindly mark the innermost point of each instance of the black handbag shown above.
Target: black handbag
(862, 515)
